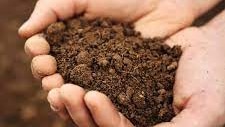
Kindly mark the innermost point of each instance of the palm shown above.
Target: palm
(199, 77)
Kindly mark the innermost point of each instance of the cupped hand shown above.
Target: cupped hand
(199, 93)
(151, 17)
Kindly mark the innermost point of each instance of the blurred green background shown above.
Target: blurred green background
(22, 102)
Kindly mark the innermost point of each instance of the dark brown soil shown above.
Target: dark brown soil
(23, 104)
(136, 74)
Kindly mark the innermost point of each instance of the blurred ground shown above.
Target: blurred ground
(22, 103)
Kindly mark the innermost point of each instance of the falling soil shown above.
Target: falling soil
(136, 74)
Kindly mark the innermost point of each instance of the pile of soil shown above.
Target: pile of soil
(136, 74)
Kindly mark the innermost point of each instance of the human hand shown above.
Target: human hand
(159, 18)
(59, 100)
(152, 18)
(199, 92)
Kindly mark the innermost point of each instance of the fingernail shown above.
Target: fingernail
(23, 29)
(28, 51)
(23, 26)
(54, 108)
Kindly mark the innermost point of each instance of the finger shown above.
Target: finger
(73, 98)
(52, 81)
(125, 11)
(184, 41)
(43, 65)
(103, 111)
(56, 103)
(36, 45)
(47, 12)
(172, 16)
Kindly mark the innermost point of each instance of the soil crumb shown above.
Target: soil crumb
(137, 74)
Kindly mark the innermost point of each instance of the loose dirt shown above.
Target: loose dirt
(136, 74)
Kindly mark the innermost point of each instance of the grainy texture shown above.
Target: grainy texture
(136, 74)
(21, 96)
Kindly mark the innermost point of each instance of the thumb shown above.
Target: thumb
(103, 111)
(47, 12)
(198, 112)
(185, 119)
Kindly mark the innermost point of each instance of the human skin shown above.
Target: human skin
(199, 91)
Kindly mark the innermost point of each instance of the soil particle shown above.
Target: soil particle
(55, 28)
(103, 62)
(84, 58)
(81, 74)
(139, 99)
(123, 99)
(136, 74)
(172, 66)
(112, 71)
